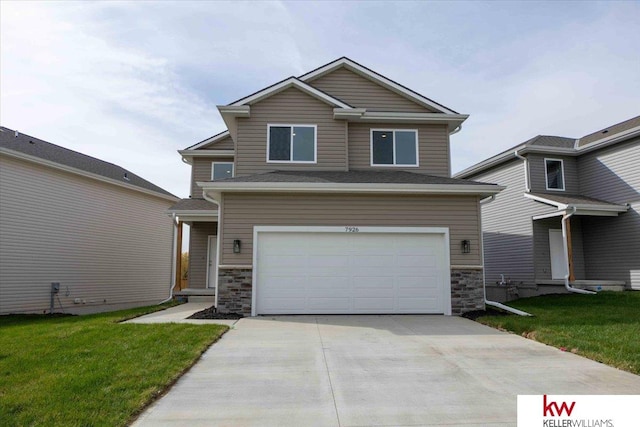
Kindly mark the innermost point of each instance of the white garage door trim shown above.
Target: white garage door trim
(444, 231)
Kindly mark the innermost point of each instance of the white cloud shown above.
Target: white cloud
(131, 82)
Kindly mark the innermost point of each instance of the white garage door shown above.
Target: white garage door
(351, 272)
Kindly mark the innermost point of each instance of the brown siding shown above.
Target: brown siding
(105, 244)
(201, 171)
(243, 211)
(433, 147)
(223, 144)
(358, 91)
(290, 106)
(198, 248)
(538, 176)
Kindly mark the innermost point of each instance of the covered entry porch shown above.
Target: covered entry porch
(563, 243)
(202, 218)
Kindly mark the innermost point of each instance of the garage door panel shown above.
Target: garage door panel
(336, 287)
(410, 305)
(343, 273)
(329, 304)
(378, 305)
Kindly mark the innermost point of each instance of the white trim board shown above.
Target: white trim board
(322, 187)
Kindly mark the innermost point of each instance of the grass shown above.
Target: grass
(603, 327)
(90, 370)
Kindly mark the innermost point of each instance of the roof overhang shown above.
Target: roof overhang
(453, 121)
(587, 209)
(65, 168)
(188, 155)
(195, 216)
(219, 187)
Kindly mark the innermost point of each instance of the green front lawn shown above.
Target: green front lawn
(90, 370)
(603, 327)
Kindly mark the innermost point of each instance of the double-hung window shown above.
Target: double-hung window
(394, 147)
(221, 170)
(555, 174)
(291, 143)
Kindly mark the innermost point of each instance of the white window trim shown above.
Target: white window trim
(546, 175)
(315, 143)
(233, 168)
(394, 165)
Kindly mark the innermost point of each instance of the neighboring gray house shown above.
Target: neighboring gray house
(331, 193)
(593, 183)
(95, 228)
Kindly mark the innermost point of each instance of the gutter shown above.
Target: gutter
(570, 288)
(526, 170)
(484, 280)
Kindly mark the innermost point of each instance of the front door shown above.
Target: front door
(556, 252)
(211, 261)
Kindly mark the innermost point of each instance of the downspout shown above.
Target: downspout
(526, 170)
(174, 241)
(484, 280)
(565, 242)
(456, 130)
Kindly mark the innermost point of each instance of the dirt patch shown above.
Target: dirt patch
(473, 315)
(211, 313)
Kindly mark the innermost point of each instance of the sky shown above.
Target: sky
(133, 82)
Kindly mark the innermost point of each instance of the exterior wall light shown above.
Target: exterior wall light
(465, 245)
(236, 246)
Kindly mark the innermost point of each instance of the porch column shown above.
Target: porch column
(178, 282)
(570, 251)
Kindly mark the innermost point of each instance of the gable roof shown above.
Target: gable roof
(286, 84)
(377, 78)
(558, 145)
(211, 140)
(34, 149)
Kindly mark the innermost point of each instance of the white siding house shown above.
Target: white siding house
(98, 230)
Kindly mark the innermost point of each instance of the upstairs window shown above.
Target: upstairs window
(221, 171)
(394, 147)
(291, 143)
(555, 174)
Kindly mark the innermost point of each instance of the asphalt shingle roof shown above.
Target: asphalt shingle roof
(193, 205)
(32, 146)
(573, 199)
(353, 177)
(551, 141)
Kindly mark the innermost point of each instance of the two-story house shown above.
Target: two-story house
(331, 193)
(570, 214)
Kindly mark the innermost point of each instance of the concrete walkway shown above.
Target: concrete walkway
(373, 371)
(179, 314)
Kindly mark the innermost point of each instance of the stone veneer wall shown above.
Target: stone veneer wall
(467, 292)
(234, 291)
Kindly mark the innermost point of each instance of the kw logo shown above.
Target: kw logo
(548, 408)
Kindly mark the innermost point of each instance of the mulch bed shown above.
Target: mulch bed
(211, 313)
(473, 315)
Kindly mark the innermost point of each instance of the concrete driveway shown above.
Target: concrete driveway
(373, 371)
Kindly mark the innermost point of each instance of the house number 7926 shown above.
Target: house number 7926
(351, 229)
